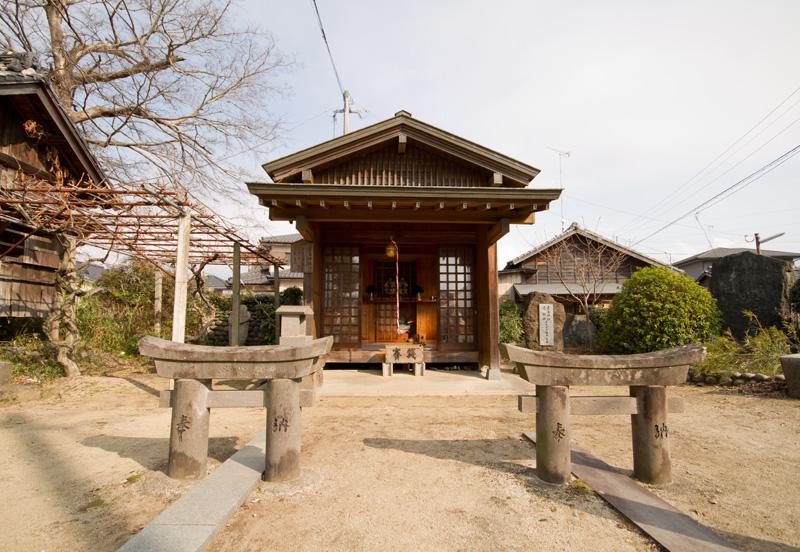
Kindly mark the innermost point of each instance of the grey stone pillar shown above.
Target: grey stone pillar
(552, 433)
(188, 436)
(283, 430)
(650, 433)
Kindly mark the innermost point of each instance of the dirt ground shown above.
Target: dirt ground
(82, 468)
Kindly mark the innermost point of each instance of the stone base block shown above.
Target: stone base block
(5, 372)
(493, 374)
(791, 369)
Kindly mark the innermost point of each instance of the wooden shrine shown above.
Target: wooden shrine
(400, 222)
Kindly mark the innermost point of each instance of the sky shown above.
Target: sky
(643, 96)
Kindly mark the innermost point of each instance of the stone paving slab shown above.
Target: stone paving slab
(664, 523)
(370, 383)
(190, 523)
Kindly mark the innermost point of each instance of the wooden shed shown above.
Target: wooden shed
(402, 221)
(37, 139)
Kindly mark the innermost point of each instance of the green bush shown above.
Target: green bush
(656, 309)
(32, 357)
(262, 310)
(511, 329)
(292, 296)
(115, 318)
(760, 352)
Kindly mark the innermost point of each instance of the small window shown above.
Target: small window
(12, 240)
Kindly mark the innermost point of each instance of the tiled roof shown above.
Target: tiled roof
(282, 238)
(719, 252)
(263, 277)
(575, 228)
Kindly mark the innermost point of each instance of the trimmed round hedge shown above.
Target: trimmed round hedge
(657, 309)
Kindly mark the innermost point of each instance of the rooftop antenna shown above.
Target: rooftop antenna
(759, 241)
(346, 111)
(561, 156)
(703, 228)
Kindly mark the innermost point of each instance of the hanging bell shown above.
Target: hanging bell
(391, 250)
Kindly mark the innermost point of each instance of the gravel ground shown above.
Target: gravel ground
(83, 469)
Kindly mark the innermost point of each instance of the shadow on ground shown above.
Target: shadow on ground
(505, 454)
(152, 452)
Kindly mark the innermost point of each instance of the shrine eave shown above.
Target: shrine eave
(348, 203)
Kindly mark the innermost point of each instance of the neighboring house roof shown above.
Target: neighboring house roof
(603, 288)
(19, 77)
(515, 173)
(214, 282)
(576, 229)
(92, 272)
(719, 252)
(282, 238)
(264, 277)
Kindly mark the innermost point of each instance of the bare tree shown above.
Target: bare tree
(161, 88)
(583, 266)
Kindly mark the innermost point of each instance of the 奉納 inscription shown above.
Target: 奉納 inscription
(280, 423)
(559, 432)
(183, 425)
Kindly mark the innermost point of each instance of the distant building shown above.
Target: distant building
(215, 283)
(260, 278)
(698, 267)
(575, 262)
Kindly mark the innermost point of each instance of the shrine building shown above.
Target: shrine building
(400, 222)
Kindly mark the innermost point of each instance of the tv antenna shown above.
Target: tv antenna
(346, 111)
(561, 155)
(757, 238)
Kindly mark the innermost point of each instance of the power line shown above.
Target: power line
(718, 157)
(730, 190)
(328, 47)
(732, 167)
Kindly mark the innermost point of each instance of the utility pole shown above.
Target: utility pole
(759, 241)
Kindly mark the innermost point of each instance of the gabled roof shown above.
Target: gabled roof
(576, 229)
(214, 282)
(18, 77)
(282, 238)
(514, 173)
(719, 252)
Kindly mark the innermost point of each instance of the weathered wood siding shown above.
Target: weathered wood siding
(546, 271)
(415, 167)
(27, 269)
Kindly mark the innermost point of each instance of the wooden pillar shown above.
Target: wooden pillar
(552, 434)
(188, 436)
(158, 294)
(651, 459)
(316, 289)
(181, 279)
(276, 285)
(488, 323)
(283, 430)
(235, 295)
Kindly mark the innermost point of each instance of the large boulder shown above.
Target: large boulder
(755, 283)
(530, 321)
(579, 333)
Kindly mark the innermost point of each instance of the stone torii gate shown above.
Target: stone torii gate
(647, 376)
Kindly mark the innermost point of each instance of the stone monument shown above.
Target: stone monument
(543, 321)
(755, 283)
